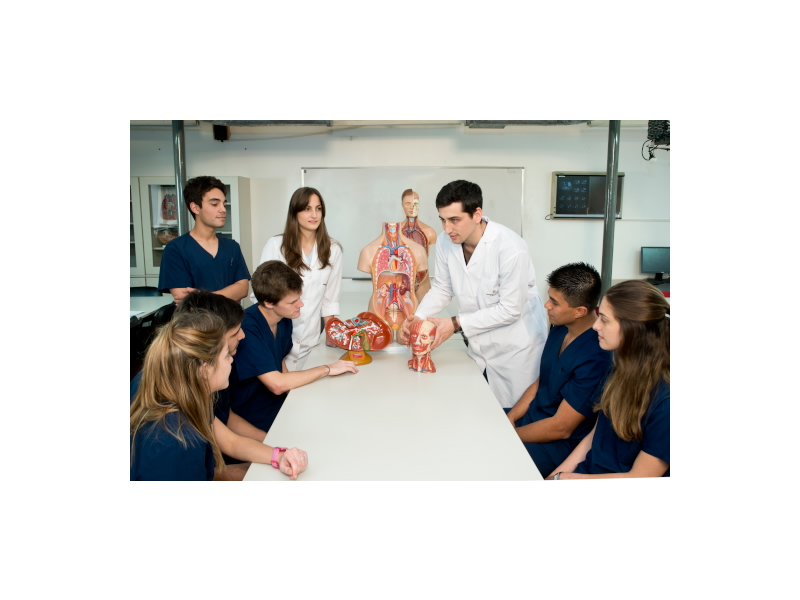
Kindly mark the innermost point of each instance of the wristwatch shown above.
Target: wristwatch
(275, 452)
(456, 326)
(556, 476)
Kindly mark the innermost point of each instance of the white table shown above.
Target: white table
(388, 423)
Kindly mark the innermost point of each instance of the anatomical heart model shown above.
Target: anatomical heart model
(357, 335)
(393, 260)
(422, 335)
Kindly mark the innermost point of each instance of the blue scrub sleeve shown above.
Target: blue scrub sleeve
(656, 430)
(174, 271)
(580, 391)
(240, 267)
(253, 357)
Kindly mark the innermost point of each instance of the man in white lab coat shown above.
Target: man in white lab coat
(489, 269)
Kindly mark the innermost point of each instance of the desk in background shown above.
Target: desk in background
(144, 306)
(387, 423)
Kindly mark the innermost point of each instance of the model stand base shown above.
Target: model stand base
(359, 357)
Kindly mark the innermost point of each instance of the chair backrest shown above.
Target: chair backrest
(137, 292)
(142, 333)
(163, 314)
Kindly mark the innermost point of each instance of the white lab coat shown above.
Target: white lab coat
(499, 307)
(320, 297)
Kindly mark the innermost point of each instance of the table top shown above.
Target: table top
(388, 423)
(144, 305)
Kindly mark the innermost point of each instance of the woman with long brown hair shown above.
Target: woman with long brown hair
(631, 436)
(173, 432)
(308, 249)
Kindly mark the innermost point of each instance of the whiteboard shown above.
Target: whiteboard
(359, 200)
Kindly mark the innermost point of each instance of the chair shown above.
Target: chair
(137, 292)
(142, 334)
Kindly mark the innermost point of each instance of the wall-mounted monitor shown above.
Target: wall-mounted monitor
(655, 260)
(582, 195)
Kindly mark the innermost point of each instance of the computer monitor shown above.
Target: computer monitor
(655, 260)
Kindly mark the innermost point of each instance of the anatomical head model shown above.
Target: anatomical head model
(422, 335)
(411, 204)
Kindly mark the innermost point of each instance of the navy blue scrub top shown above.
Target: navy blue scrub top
(258, 353)
(610, 454)
(185, 263)
(159, 456)
(574, 376)
(222, 403)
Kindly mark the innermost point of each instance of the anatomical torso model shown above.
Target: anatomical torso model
(394, 261)
(421, 233)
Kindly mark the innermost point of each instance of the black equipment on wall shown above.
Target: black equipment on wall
(222, 133)
(658, 132)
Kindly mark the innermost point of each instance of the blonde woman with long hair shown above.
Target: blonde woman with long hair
(173, 432)
(631, 436)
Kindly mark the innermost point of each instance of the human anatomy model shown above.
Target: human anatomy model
(421, 233)
(395, 262)
(422, 335)
(357, 335)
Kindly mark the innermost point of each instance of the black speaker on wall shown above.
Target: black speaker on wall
(658, 132)
(222, 133)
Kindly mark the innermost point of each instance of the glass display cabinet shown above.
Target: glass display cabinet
(137, 250)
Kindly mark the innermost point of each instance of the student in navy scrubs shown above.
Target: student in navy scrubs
(631, 437)
(231, 314)
(173, 432)
(201, 259)
(556, 412)
(261, 372)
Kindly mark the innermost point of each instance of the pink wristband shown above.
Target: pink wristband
(275, 452)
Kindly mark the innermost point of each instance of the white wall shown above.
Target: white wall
(273, 167)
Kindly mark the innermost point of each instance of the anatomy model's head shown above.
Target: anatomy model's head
(422, 335)
(410, 201)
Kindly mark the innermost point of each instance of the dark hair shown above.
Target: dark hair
(197, 187)
(292, 243)
(641, 362)
(230, 311)
(468, 193)
(273, 280)
(579, 282)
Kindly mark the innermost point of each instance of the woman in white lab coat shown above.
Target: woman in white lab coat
(308, 249)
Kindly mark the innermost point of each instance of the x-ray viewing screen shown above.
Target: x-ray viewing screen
(582, 195)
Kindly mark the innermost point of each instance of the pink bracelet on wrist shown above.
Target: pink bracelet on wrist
(275, 452)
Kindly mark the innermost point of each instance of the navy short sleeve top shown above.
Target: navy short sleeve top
(610, 454)
(574, 376)
(185, 263)
(259, 352)
(158, 455)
